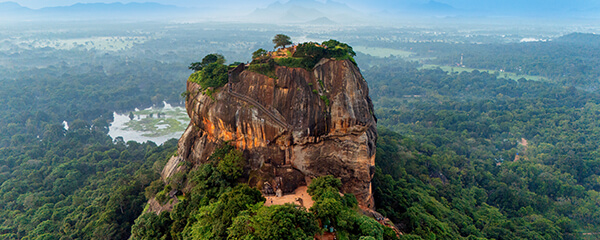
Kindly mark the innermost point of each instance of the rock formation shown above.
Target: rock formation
(300, 125)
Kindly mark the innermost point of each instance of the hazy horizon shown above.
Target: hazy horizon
(507, 7)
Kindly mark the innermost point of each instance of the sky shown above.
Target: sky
(36, 4)
(463, 4)
(527, 6)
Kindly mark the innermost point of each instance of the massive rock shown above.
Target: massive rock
(298, 126)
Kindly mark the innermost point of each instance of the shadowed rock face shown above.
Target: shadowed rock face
(285, 127)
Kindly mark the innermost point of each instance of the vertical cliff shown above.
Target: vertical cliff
(299, 125)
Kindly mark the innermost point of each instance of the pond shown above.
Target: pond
(151, 124)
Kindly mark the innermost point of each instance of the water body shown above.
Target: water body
(146, 124)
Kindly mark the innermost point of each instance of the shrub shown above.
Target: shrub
(162, 197)
(208, 59)
(320, 185)
(267, 69)
(325, 99)
(292, 62)
(259, 53)
(213, 75)
(232, 164)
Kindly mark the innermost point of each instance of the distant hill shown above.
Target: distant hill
(304, 11)
(399, 11)
(433, 7)
(12, 8)
(472, 10)
(321, 21)
(580, 38)
(91, 11)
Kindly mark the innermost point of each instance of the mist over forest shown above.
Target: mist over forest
(487, 119)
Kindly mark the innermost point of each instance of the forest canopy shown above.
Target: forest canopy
(460, 155)
(473, 154)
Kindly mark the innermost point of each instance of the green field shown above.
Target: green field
(507, 75)
(98, 43)
(382, 52)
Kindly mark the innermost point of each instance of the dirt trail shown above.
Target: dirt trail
(326, 236)
(300, 192)
(524, 143)
(522, 153)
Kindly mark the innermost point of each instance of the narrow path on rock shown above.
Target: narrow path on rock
(278, 119)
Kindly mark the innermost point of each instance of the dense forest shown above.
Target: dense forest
(216, 206)
(474, 154)
(571, 59)
(76, 183)
(467, 155)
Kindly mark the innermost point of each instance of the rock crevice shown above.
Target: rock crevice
(301, 124)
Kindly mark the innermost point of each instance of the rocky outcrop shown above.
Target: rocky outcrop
(300, 125)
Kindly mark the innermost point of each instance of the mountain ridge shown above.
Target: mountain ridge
(91, 11)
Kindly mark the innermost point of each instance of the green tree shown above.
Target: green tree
(54, 132)
(310, 50)
(338, 49)
(150, 226)
(208, 59)
(319, 186)
(281, 40)
(283, 222)
(366, 238)
(327, 209)
(78, 124)
(259, 53)
(212, 75)
(232, 164)
(213, 220)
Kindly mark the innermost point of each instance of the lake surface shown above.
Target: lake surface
(152, 124)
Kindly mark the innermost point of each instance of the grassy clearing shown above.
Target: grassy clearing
(382, 52)
(98, 43)
(506, 75)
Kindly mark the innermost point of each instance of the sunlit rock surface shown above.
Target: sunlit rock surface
(285, 127)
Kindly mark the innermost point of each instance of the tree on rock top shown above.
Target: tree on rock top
(208, 59)
(259, 53)
(281, 40)
(211, 72)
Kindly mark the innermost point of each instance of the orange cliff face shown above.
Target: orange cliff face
(301, 125)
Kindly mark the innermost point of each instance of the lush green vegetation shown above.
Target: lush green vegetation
(281, 40)
(267, 68)
(570, 59)
(211, 72)
(500, 74)
(479, 156)
(77, 183)
(446, 172)
(217, 206)
(51, 96)
(207, 60)
(296, 62)
(308, 54)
